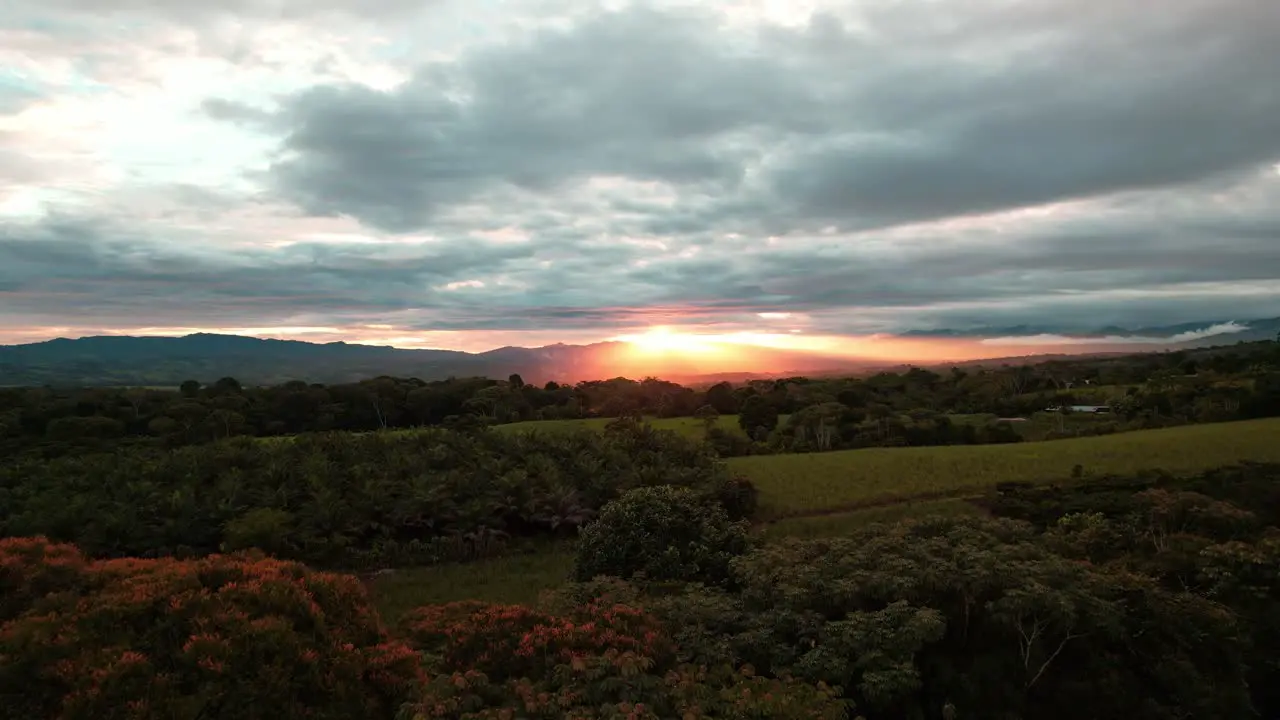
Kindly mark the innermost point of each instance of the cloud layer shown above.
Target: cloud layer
(524, 171)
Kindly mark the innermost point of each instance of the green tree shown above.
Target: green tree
(758, 416)
(721, 397)
(817, 426)
(708, 415)
(227, 386)
(665, 532)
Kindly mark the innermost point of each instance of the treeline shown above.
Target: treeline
(835, 426)
(88, 418)
(352, 500)
(887, 408)
(1147, 598)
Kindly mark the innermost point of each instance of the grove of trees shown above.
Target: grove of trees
(352, 500)
(1146, 597)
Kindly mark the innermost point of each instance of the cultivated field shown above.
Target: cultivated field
(825, 482)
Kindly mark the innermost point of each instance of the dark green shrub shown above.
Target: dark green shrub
(737, 495)
(665, 532)
(266, 529)
(972, 613)
(731, 444)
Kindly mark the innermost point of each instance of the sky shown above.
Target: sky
(478, 173)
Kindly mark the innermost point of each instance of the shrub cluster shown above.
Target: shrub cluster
(221, 637)
(977, 618)
(664, 532)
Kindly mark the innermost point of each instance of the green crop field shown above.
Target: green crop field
(821, 482)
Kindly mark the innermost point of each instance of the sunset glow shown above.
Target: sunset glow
(661, 341)
(472, 176)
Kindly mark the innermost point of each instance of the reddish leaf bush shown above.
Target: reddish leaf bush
(32, 568)
(505, 641)
(597, 661)
(237, 636)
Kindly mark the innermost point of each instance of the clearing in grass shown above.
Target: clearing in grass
(516, 578)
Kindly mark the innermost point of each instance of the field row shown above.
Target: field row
(822, 482)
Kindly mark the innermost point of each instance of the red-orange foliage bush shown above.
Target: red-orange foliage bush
(505, 641)
(32, 568)
(220, 637)
(598, 661)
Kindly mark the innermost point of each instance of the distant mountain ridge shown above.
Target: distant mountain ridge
(127, 360)
(165, 361)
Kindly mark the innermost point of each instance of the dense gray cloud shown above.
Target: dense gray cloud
(958, 110)
(884, 166)
(1095, 269)
(54, 266)
(639, 94)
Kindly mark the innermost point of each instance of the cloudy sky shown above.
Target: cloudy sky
(476, 173)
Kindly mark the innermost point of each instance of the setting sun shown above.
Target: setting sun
(661, 340)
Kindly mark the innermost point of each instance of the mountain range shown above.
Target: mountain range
(164, 361)
(167, 361)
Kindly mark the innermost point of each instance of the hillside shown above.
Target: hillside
(127, 360)
(124, 360)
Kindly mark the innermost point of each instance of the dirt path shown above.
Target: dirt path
(871, 503)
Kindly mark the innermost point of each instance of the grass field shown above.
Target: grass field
(823, 482)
